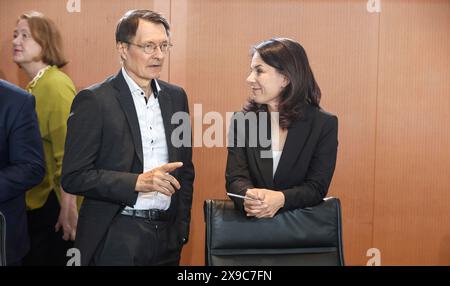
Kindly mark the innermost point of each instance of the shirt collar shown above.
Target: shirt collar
(135, 88)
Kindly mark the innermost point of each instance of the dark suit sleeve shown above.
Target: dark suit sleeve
(80, 176)
(320, 170)
(237, 174)
(186, 181)
(26, 166)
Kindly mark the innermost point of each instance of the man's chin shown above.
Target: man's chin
(154, 75)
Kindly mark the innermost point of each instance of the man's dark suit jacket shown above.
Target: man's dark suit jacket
(22, 164)
(305, 168)
(103, 158)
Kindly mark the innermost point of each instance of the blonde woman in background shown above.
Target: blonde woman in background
(52, 213)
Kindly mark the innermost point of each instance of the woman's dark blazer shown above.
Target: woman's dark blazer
(306, 165)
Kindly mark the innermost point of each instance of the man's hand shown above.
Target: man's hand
(68, 216)
(267, 206)
(159, 180)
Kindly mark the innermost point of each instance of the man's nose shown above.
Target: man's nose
(158, 53)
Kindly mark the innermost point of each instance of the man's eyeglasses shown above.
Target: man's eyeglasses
(150, 47)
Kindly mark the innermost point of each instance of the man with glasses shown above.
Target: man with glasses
(120, 156)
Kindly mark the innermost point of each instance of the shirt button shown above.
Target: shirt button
(150, 128)
(152, 141)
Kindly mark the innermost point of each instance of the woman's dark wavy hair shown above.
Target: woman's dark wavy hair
(289, 58)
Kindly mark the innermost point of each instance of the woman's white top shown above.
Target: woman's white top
(276, 155)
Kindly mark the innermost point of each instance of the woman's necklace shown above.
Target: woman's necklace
(34, 81)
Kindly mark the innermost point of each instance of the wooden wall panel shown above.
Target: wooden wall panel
(210, 59)
(411, 221)
(386, 75)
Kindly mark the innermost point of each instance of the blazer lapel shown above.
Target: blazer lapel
(126, 100)
(298, 132)
(165, 103)
(263, 157)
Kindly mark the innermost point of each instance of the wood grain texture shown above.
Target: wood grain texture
(411, 221)
(88, 37)
(385, 75)
(211, 60)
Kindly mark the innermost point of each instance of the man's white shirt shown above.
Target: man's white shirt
(153, 136)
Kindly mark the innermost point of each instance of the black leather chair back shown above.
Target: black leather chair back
(309, 236)
(2, 240)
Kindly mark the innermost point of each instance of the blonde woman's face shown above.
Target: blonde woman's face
(25, 48)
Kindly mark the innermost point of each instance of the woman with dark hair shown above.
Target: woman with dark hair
(294, 169)
(52, 213)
